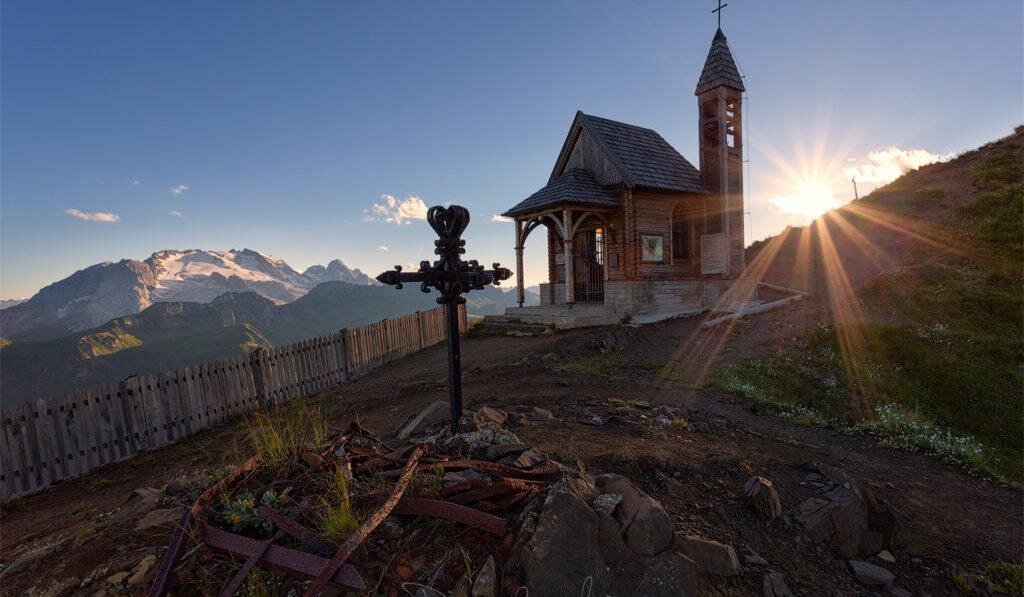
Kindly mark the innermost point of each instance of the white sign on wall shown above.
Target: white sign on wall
(560, 258)
(713, 256)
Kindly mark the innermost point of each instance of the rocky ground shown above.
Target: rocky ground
(729, 500)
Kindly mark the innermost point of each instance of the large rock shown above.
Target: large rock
(668, 574)
(871, 575)
(486, 583)
(845, 516)
(763, 498)
(646, 526)
(774, 585)
(564, 550)
(433, 414)
(710, 556)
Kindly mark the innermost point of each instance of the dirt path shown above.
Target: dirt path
(948, 520)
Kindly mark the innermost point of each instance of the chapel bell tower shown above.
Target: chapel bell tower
(719, 93)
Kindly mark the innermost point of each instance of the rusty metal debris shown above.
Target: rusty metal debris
(483, 502)
(288, 560)
(453, 512)
(367, 527)
(177, 543)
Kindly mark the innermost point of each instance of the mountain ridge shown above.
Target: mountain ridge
(100, 292)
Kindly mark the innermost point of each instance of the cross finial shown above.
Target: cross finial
(718, 11)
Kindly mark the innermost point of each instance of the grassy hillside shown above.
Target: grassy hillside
(926, 348)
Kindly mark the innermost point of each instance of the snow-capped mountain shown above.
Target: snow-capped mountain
(103, 291)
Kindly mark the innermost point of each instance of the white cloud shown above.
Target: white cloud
(175, 213)
(180, 189)
(500, 218)
(136, 182)
(93, 216)
(883, 166)
(399, 212)
(383, 248)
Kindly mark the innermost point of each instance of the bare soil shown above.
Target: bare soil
(949, 522)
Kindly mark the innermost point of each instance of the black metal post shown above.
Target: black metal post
(454, 366)
(452, 277)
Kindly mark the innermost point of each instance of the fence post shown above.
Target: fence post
(345, 340)
(257, 364)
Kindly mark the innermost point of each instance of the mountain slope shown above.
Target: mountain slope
(170, 335)
(101, 292)
(916, 319)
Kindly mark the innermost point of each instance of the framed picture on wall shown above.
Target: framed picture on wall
(652, 247)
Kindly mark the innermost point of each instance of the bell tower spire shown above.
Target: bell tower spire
(720, 123)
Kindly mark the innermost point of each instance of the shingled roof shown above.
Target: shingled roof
(576, 187)
(720, 68)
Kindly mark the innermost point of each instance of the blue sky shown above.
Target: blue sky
(287, 122)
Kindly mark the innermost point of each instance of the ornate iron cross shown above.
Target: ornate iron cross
(452, 277)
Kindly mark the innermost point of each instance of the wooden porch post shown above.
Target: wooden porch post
(570, 290)
(520, 291)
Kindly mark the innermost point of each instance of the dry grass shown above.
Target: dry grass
(335, 518)
(279, 436)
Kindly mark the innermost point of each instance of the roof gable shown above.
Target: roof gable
(640, 156)
(719, 68)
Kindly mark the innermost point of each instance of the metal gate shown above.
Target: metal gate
(588, 266)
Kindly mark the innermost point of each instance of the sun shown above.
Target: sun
(810, 198)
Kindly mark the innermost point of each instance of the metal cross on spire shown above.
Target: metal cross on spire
(452, 277)
(718, 11)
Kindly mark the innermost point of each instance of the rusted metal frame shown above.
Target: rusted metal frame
(236, 581)
(177, 543)
(282, 558)
(289, 526)
(371, 523)
(506, 501)
(464, 486)
(453, 512)
(488, 491)
(232, 587)
(545, 471)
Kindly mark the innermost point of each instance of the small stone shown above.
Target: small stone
(900, 592)
(711, 557)
(175, 487)
(139, 575)
(486, 583)
(541, 414)
(527, 459)
(517, 420)
(159, 518)
(435, 413)
(871, 575)
(885, 556)
(117, 578)
(774, 585)
(498, 451)
(763, 498)
(494, 415)
(606, 503)
(754, 559)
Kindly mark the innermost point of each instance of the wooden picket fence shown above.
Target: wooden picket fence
(68, 436)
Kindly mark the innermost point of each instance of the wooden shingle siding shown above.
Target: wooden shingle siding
(48, 441)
